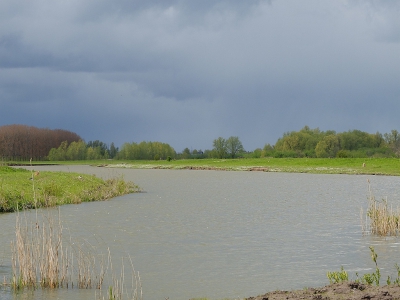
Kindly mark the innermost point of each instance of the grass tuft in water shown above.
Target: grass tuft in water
(383, 219)
(40, 259)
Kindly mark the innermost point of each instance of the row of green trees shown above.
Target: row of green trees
(306, 142)
(146, 150)
(82, 151)
(231, 147)
(222, 148)
(316, 143)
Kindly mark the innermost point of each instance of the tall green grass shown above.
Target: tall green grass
(22, 189)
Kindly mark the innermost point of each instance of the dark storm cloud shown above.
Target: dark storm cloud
(186, 72)
(14, 54)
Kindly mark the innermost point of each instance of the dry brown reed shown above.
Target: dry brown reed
(383, 219)
(37, 254)
(118, 289)
(40, 259)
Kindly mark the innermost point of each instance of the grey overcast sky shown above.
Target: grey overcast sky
(187, 72)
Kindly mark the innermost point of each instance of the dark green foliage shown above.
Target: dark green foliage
(101, 147)
(82, 151)
(234, 146)
(342, 154)
(113, 150)
(224, 148)
(186, 153)
(268, 151)
(256, 153)
(285, 154)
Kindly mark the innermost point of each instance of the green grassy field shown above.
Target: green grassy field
(294, 165)
(20, 189)
(377, 166)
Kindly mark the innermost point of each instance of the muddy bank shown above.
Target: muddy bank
(345, 290)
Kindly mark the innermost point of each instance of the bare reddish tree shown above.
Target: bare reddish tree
(22, 142)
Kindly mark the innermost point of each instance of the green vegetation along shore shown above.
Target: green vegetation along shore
(357, 166)
(23, 189)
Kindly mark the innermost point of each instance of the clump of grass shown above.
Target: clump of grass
(383, 219)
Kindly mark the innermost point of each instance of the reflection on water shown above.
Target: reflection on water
(226, 234)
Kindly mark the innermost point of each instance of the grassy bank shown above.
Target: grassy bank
(374, 166)
(20, 189)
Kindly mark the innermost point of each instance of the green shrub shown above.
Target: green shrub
(284, 154)
(338, 277)
(342, 154)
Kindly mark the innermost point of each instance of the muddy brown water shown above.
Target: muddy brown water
(221, 234)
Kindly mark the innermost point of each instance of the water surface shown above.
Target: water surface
(226, 234)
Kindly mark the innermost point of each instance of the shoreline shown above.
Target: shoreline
(345, 290)
(350, 166)
(318, 170)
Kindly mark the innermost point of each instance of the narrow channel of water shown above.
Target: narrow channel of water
(220, 234)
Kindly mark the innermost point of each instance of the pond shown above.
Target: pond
(224, 234)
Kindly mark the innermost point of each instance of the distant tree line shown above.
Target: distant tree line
(316, 143)
(22, 142)
(222, 148)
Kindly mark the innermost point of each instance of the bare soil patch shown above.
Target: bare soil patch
(345, 290)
